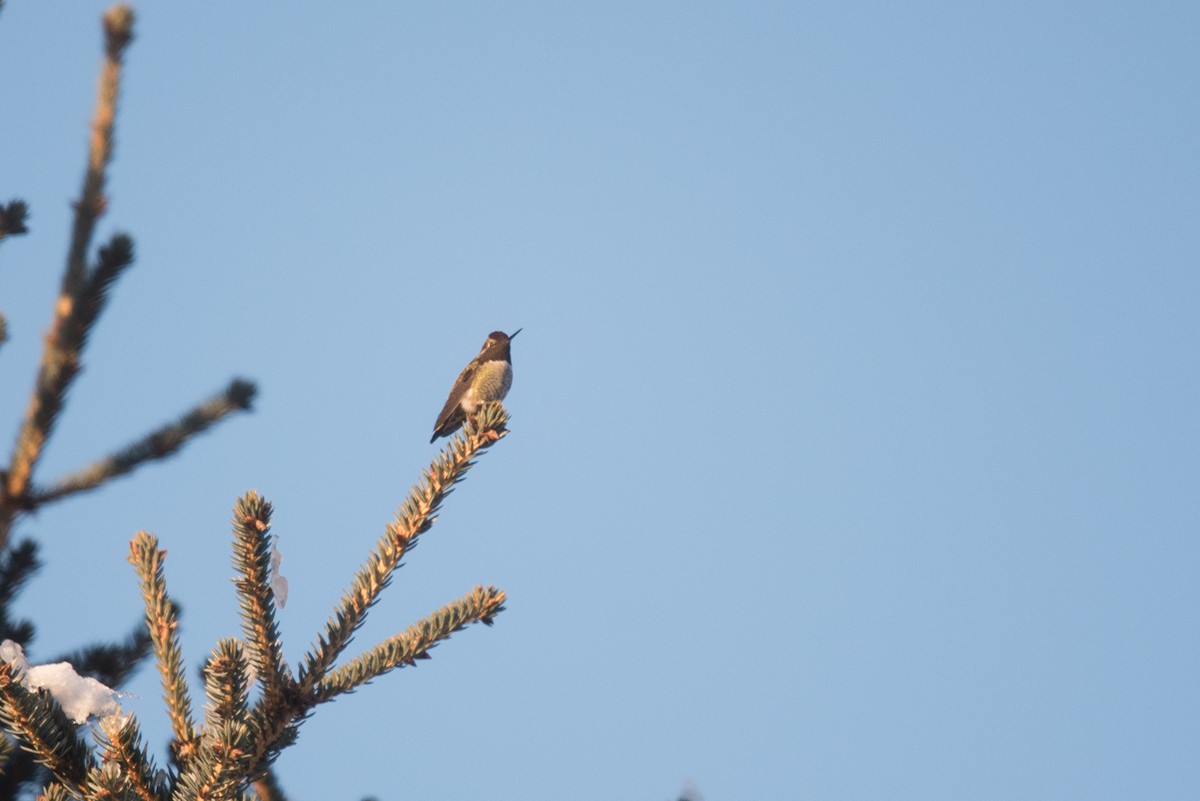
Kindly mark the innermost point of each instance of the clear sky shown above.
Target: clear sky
(855, 441)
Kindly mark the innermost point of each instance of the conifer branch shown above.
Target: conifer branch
(162, 622)
(17, 565)
(60, 357)
(225, 685)
(111, 261)
(480, 605)
(118, 33)
(220, 768)
(158, 444)
(414, 517)
(272, 724)
(274, 728)
(123, 749)
(82, 294)
(42, 727)
(75, 314)
(252, 560)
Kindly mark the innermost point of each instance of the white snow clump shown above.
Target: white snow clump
(79, 696)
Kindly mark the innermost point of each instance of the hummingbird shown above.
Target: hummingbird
(487, 377)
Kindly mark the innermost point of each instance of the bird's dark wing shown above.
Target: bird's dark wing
(452, 415)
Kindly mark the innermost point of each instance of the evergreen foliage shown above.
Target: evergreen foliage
(254, 701)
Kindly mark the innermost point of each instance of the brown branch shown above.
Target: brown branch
(415, 516)
(158, 444)
(118, 33)
(252, 560)
(81, 295)
(163, 624)
(123, 747)
(480, 605)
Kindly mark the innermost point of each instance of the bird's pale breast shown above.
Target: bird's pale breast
(492, 382)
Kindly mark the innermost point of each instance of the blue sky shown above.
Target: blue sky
(854, 446)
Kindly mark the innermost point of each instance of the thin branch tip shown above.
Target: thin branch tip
(241, 393)
(118, 29)
(118, 252)
(13, 218)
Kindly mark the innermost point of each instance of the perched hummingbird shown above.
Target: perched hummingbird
(486, 378)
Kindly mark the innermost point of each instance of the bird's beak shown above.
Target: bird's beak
(513, 335)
